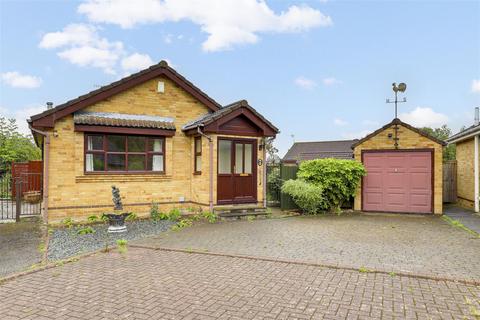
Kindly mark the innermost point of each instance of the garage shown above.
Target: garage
(404, 170)
(398, 181)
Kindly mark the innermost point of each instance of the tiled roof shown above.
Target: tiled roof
(470, 130)
(123, 120)
(210, 117)
(301, 151)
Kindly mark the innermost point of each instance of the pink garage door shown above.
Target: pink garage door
(398, 181)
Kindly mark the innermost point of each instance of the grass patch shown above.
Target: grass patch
(460, 225)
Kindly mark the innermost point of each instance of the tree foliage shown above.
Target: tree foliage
(274, 183)
(336, 179)
(307, 196)
(442, 133)
(15, 146)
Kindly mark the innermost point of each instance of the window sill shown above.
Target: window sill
(141, 177)
(197, 173)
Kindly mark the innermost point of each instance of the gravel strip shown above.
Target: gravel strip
(65, 243)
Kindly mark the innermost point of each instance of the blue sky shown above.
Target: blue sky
(317, 69)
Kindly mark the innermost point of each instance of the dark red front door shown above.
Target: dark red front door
(236, 179)
(398, 181)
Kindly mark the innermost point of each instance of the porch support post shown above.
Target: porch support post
(476, 174)
(264, 175)
(210, 195)
(46, 158)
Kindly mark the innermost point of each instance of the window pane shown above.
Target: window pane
(225, 157)
(198, 163)
(136, 144)
(248, 158)
(116, 143)
(116, 162)
(94, 162)
(155, 163)
(198, 145)
(94, 142)
(238, 158)
(136, 162)
(155, 145)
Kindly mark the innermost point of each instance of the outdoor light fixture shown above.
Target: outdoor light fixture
(400, 88)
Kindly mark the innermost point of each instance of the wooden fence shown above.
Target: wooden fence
(450, 181)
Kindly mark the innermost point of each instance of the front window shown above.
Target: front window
(198, 155)
(120, 153)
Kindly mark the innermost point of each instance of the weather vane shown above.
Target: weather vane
(400, 88)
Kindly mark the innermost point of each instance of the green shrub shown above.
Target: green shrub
(92, 218)
(211, 217)
(86, 230)
(104, 218)
(338, 178)
(131, 217)
(305, 195)
(274, 183)
(68, 222)
(122, 245)
(174, 214)
(184, 223)
(155, 213)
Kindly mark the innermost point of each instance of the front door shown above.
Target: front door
(237, 176)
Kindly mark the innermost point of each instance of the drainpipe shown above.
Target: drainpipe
(46, 152)
(475, 165)
(264, 178)
(210, 150)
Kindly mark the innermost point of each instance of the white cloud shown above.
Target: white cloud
(370, 123)
(330, 81)
(424, 117)
(81, 45)
(305, 83)
(476, 86)
(136, 61)
(21, 115)
(356, 135)
(339, 122)
(227, 22)
(17, 80)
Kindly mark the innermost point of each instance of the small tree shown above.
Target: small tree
(306, 196)
(15, 146)
(442, 133)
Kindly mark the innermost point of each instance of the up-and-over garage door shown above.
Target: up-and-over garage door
(398, 181)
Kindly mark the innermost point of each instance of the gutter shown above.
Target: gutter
(210, 148)
(46, 152)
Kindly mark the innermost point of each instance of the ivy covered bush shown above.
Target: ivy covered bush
(336, 178)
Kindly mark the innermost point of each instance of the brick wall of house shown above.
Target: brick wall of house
(74, 194)
(408, 140)
(465, 174)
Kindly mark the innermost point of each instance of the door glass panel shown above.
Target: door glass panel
(224, 157)
(248, 158)
(238, 158)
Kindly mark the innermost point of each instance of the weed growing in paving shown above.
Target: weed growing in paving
(364, 270)
(122, 245)
(211, 217)
(460, 225)
(392, 274)
(92, 218)
(86, 230)
(182, 224)
(250, 218)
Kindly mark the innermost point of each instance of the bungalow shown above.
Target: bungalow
(157, 137)
(468, 166)
(302, 151)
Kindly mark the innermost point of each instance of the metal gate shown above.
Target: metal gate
(20, 195)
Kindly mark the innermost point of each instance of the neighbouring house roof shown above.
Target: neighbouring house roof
(47, 118)
(465, 134)
(123, 120)
(210, 118)
(301, 151)
(406, 125)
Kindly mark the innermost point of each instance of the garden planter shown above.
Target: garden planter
(116, 222)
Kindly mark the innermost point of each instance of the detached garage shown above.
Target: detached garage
(404, 170)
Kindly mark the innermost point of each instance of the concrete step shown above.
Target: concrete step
(239, 212)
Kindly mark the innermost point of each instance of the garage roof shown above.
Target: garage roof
(406, 125)
(301, 151)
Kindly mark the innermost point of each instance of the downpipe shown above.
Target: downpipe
(210, 150)
(46, 153)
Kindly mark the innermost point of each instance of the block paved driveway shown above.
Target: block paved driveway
(154, 284)
(422, 245)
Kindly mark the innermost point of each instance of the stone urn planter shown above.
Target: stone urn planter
(116, 220)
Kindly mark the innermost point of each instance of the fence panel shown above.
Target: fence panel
(450, 181)
(287, 172)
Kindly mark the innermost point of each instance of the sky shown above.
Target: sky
(318, 70)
